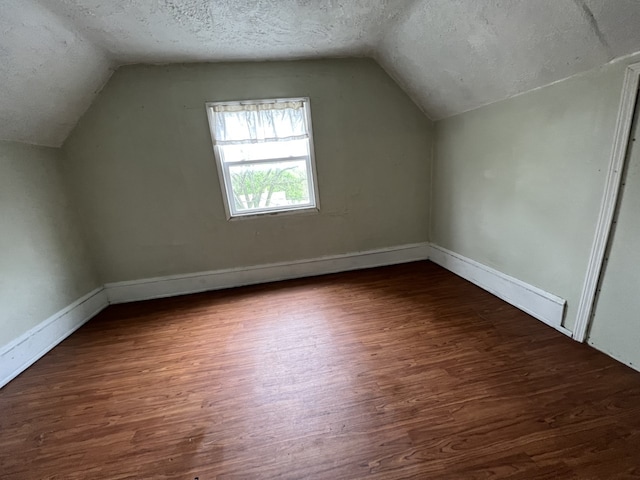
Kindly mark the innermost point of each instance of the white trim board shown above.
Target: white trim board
(21, 353)
(149, 288)
(609, 201)
(542, 305)
(24, 351)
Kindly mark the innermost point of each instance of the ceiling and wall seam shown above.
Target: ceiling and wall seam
(449, 57)
(631, 58)
(402, 85)
(72, 27)
(402, 16)
(113, 64)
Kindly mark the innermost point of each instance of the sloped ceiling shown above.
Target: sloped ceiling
(449, 55)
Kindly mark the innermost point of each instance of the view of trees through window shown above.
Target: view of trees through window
(270, 185)
(265, 155)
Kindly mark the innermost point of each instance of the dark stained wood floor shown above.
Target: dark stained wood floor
(397, 372)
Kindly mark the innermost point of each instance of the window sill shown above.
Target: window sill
(297, 211)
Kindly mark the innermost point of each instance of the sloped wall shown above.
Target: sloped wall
(517, 185)
(145, 180)
(44, 263)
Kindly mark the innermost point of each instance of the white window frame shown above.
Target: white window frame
(225, 177)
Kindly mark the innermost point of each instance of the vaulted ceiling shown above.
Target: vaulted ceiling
(449, 55)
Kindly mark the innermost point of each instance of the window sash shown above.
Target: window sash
(264, 151)
(224, 170)
(228, 185)
(266, 160)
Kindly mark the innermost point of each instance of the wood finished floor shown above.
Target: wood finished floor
(397, 372)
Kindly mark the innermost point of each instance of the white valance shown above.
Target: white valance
(238, 123)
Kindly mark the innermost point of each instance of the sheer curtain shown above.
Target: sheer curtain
(264, 153)
(238, 124)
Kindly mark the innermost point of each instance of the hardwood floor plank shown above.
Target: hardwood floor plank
(389, 373)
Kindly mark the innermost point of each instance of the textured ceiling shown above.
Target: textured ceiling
(453, 56)
(449, 55)
(48, 74)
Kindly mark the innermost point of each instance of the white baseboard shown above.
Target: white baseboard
(25, 350)
(536, 302)
(145, 289)
(22, 352)
(29, 347)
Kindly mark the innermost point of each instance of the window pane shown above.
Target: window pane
(260, 151)
(264, 152)
(269, 185)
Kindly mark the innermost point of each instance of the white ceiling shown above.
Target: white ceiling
(456, 55)
(449, 55)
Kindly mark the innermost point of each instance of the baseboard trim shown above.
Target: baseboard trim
(169, 286)
(24, 351)
(542, 305)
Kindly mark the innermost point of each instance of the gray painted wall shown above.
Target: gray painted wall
(145, 179)
(616, 324)
(517, 185)
(43, 260)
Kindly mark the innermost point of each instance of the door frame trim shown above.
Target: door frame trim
(609, 200)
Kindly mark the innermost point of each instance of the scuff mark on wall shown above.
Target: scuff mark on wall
(593, 23)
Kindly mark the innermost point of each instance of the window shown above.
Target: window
(264, 152)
